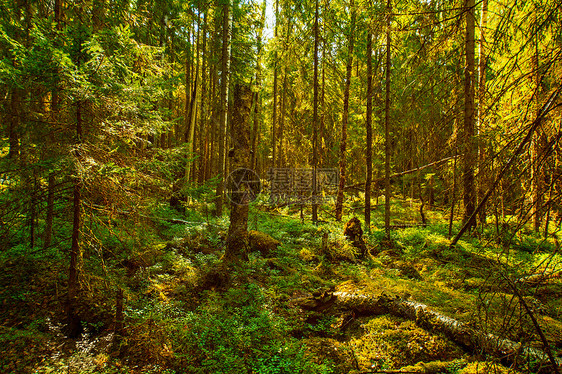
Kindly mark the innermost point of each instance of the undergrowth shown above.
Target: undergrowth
(186, 313)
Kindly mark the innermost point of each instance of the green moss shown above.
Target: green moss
(262, 242)
(391, 343)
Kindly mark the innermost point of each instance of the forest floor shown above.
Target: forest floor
(185, 312)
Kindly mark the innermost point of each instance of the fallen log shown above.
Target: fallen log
(461, 333)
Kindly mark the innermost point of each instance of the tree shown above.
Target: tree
(315, 117)
(225, 73)
(275, 91)
(482, 61)
(239, 180)
(539, 141)
(469, 149)
(345, 115)
(369, 128)
(387, 125)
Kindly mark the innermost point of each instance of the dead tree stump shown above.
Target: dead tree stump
(353, 232)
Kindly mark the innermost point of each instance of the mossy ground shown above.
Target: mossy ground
(185, 312)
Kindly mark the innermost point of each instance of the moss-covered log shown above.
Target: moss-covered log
(461, 333)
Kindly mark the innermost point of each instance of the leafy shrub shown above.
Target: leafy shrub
(232, 333)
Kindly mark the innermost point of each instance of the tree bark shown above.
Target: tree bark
(203, 131)
(281, 155)
(32, 208)
(119, 322)
(324, 138)
(369, 128)
(225, 73)
(14, 124)
(275, 93)
(483, 171)
(469, 153)
(73, 320)
(315, 116)
(387, 127)
(453, 198)
(213, 127)
(192, 115)
(345, 116)
(255, 135)
(237, 238)
(48, 232)
(55, 99)
(538, 143)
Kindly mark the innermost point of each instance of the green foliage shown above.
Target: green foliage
(16, 341)
(229, 333)
(287, 362)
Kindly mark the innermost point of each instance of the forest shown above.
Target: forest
(280, 187)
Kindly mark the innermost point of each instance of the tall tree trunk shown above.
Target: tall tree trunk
(315, 118)
(14, 124)
(255, 132)
(213, 128)
(254, 135)
(281, 122)
(345, 116)
(453, 196)
(275, 89)
(119, 323)
(551, 179)
(73, 320)
(188, 99)
(48, 233)
(281, 155)
(225, 67)
(192, 116)
(369, 128)
(321, 148)
(469, 154)
(537, 145)
(58, 14)
(483, 171)
(237, 238)
(387, 127)
(32, 208)
(202, 165)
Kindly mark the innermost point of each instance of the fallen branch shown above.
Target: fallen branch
(549, 105)
(538, 329)
(406, 225)
(361, 185)
(539, 278)
(174, 221)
